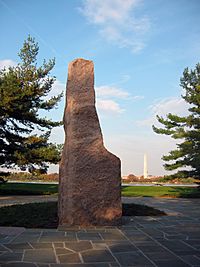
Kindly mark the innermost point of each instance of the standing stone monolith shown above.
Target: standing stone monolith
(89, 175)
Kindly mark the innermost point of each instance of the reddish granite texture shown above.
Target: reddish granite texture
(90, 176)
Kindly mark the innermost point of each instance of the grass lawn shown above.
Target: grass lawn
(28, 189)
(127, 191)
(44, 215)
(161, 191)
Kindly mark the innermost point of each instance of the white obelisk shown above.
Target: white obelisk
(145, 166)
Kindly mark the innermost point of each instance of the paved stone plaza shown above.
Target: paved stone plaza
(172, 240)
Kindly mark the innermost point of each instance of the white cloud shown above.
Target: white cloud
(137, 97)
(117, 22)
(5, 63)
(109, 106)
(111, 91)
(57, 135)
(103, 11)
(172, 105)
(106, 94)
(57, 88)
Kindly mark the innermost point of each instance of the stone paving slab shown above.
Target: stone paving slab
(172, 240)
(83, 265)
(39, 255)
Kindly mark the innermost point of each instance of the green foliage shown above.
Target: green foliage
(185, 128)
(23, 92)
(172, 179)
(37, 175)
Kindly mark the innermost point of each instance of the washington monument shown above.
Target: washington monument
(145, 173)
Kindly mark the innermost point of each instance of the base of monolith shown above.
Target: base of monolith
(93, 197)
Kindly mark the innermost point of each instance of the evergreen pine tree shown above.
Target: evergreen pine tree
(185, 128)
(23, 94)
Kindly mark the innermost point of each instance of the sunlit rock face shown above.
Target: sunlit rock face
(90, 176)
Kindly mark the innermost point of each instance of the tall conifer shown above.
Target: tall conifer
(23, 94)
(185, 128)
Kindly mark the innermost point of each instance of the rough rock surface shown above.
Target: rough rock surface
(89, 176)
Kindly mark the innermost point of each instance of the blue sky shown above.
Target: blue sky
(139, 48)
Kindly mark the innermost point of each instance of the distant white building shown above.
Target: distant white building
(145, 173)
